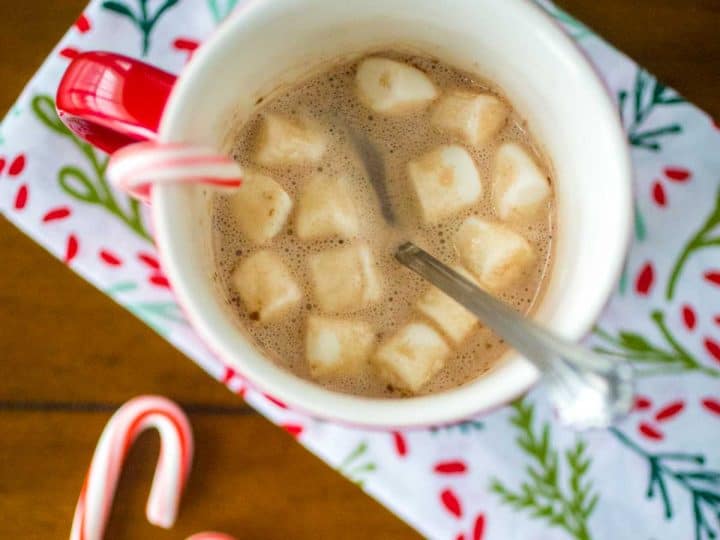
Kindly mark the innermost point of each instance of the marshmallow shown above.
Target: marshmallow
(289, 141)
(520, 188)
(260, 207)
(496, 255)
(266, 287)
(411, 357)
(475, 118)
(325, 209)
(390, 87)
(337, 346)
(446, 182)
(451, 318)
(344, 279)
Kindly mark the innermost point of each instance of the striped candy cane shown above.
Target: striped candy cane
(136, 167)
(176, 451)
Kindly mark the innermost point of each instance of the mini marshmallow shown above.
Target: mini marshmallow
(337, 346)
(411, 357)
(475, 118)
(519, 186)
(446, 182)
(260, 207)
(496, 255)
(344, 279)
(289, 141)
(325, 209)
(451, 318)
(390, 87)
(266, 286)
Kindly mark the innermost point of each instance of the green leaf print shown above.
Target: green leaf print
(706, 237)
(647, 95)
(688, 473)
(221, 8)
(567, 505)
(356, 466)
(157, 315)
(573, 27)
(650, 359)
(142, 19)
(468, 426)
(89, 185)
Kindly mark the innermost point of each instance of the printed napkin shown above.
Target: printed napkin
(514, 474)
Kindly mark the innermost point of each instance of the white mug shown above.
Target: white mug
(266, 44)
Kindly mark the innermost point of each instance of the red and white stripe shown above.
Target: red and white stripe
(210, 536)
(176, 451)
(137, 167)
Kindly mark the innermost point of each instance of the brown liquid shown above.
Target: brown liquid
(330, 99)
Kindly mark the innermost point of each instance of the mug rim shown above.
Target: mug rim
(512, 376)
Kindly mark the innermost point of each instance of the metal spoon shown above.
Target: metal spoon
(588, 390)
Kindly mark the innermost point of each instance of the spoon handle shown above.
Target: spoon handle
(588, 390)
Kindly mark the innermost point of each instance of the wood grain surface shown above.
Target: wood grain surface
(61, 382)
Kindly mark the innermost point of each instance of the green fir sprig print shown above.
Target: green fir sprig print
(637, 106)
(649, 358)
(707, 236)
(356, 466)
(141, 17)
(88, 185)
(573, 27)
(567, 505)
(691, 479)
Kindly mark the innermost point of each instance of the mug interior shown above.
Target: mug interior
(511, 43)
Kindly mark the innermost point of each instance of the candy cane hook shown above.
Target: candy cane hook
(176, 451)
(137, 167)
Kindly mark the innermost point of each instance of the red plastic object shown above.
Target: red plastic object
(111, 100)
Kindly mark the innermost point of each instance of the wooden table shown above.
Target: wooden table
(61, 382)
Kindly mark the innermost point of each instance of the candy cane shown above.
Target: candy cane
(136, 167)
(210, 536)
(176, 451)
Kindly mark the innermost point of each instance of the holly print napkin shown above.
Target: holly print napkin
(514, 473)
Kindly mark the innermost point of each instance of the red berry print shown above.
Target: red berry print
(713, 276)
(293, 429)
(71, 248)
(69, 53)
(149, 260)
(451, 503)
(650, 432)
(644, 280)
(17, 166)
(186, 45)
(159, 281)
(275, 401)
(110, 258)
(56, 214)
(400, 444)
(82, 24)
(228, 375)
(669, 411)
(713, 348)
(479, 527)
(658, 194)
(21, 197)
(642, 403)
(712, 405)
(2, 165)
(689, 317)
(677, 174)
(460, 536)
(451, 467)
(717, 319)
